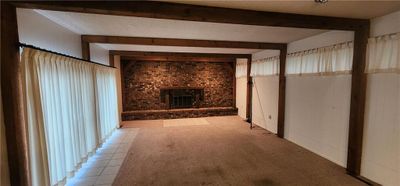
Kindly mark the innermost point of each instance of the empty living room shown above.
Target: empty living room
(214, 92)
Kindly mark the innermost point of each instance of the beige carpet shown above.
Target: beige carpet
(185, 122)
(223, 152)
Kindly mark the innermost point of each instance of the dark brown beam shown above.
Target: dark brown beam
(12, 96)
(175, 11)
(179, 42)
(175, 54)
(357, 102)
(282, 92)
(178, 59)
(234, 84)
(85, 49)
(122, 72)
(111, 60)
(249, 91)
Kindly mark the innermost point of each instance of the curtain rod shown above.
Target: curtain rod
(266, 58)
(61, 54)
(390, 35)
(311, 49)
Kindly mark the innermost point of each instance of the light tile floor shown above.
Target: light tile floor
(103, 167)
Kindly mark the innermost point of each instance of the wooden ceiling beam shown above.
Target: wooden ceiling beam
(179, 42)
(174, 11)
(176, 54)
(178, 59)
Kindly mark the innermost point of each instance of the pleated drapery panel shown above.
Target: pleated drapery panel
(384, 54)
(265, 67)
(241, 68)
(336, 59)
(106, 95)
(62, 111)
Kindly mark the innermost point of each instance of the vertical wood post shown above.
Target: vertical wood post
(121, 66)
(249, 90)
(357, 102)
(282, 92)
(12, 94)
(111, 60)
(234, 85)
(85, 49)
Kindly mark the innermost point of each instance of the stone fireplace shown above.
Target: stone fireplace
(161, 90)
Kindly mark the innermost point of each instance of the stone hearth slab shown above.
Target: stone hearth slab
(178, 113)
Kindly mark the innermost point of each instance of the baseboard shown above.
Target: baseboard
(365, 180)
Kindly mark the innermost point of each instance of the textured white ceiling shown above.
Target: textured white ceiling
(365, 9)
(162, 28)
(95, 24)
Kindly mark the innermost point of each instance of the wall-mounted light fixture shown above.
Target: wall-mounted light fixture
(321, 1)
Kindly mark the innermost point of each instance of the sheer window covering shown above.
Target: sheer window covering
(384, 54)
(64, 99)
(265, 67)
(106, 92)
(241, 68)
(336, 59)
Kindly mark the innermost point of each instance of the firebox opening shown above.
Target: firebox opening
(180, 97)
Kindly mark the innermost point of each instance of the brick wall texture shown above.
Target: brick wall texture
(143, 80)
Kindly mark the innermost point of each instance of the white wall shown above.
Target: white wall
(37, 30)
(241, 87)
(381, 143)
(99, 54)
(318, 107)
(265, 102)
(321, 40)
(264, 54)
(317, 114)
(265, 96)
(386, 24)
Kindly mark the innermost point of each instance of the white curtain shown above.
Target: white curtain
(241, 68)
(106, 95)
(336, 59)
(265, 67)
(62, 114)
(384, 54)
